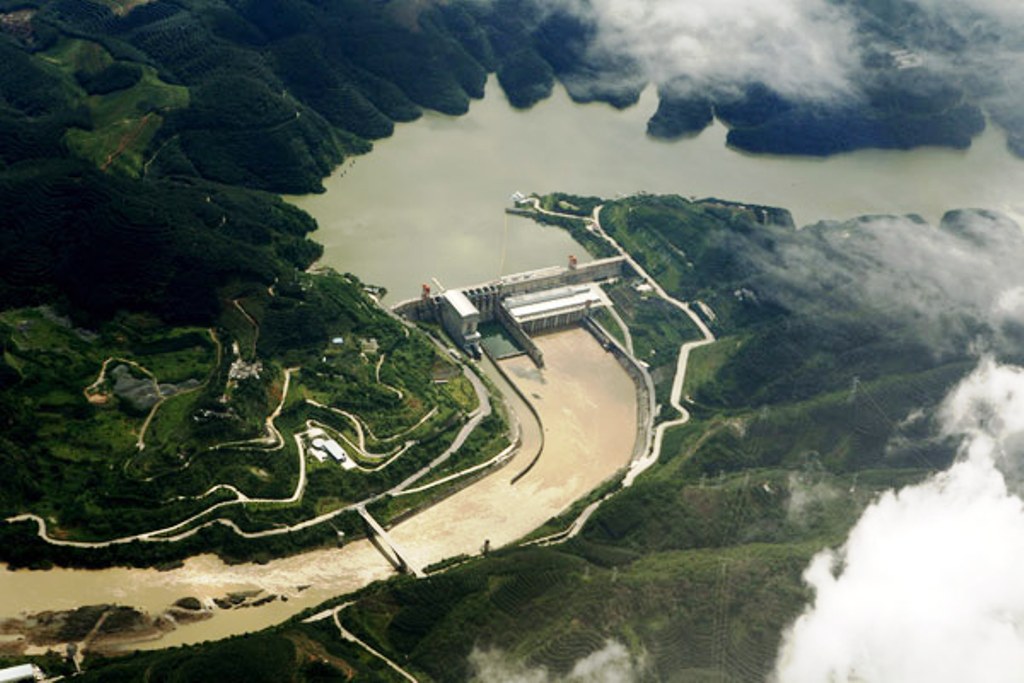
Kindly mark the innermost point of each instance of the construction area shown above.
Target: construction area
(515, 306)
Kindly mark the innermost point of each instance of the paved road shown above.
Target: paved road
(276, 442)
(348, 635)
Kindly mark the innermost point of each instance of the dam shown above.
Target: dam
(538, 302)
(522, 304)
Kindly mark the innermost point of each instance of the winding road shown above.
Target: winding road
(335, 615)
(276, 441)
(362, 430)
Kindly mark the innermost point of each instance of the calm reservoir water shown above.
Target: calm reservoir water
(428, 202)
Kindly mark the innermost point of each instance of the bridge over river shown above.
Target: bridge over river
(379, 536)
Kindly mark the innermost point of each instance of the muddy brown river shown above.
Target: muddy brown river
(587, 404)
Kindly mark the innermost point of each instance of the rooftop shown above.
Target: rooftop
(553, 301)
(460, 302)
(22, 672)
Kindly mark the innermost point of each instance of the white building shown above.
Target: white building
(22, 672)
(553, 308)
(460, 318)
(317, 449)
(335, 450)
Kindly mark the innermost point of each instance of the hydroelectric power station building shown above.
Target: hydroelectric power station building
(460, 318)
(551, 309)
(524, 303)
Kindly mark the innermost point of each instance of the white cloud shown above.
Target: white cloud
(974, 10)
(938, 282)
(610, 664)
(800, 48)
(929, 586)
(805, 495)
(494, 666)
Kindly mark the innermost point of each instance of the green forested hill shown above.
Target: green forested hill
(273, 94)
(122, 134)
(102, 243)
(138, 142)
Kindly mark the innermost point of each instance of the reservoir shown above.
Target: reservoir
(428, 201)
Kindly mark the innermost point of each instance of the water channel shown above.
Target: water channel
(428, 203)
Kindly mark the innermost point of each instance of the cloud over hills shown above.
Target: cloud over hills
(887, 73)
(949, 284)
(928, 586)
(611, 664)
(796, 47)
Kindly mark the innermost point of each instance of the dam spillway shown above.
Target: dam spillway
(523, 303)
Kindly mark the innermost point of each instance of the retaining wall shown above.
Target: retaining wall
(645, 404)
(521, 337)
(533, 411)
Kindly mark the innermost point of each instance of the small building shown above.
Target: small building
(22, 672)
(317, 448)
(335, 450)
(460, 318)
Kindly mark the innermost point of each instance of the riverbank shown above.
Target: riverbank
(588, 406)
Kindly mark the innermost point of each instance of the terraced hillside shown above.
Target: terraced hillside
(216, 424)
(162, 342)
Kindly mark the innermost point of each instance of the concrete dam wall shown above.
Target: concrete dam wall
(487, 296)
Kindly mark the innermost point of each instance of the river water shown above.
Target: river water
(580, 383)
(587, 404)
(428, 202)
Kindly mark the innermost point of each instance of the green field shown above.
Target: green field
(125, 120)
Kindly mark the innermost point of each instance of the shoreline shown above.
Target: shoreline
(302, 581)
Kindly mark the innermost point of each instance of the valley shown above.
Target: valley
(245, 408)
